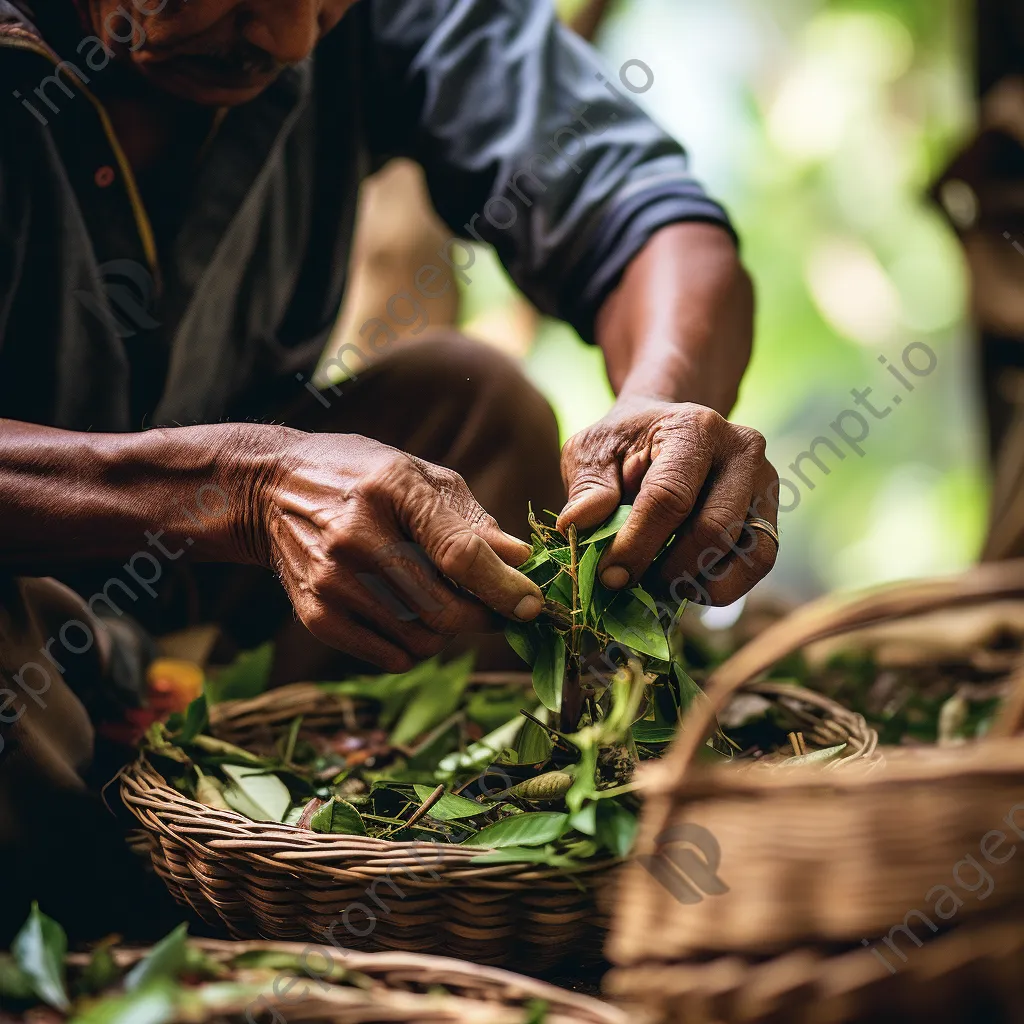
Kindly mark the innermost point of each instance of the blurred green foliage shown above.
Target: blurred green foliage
(821, 124)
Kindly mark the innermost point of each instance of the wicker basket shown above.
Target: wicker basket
(281, 882)
(972, 974)
(817, 858)
(404, 989)
(277, 881)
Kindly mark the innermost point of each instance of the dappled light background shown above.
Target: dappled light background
(821, 125)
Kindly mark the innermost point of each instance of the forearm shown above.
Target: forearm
(68, 497)
(678, 327)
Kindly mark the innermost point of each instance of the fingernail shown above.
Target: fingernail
(615, 577)
(528, 608)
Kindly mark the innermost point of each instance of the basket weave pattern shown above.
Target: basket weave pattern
(818, 862)
(277, 881)
(403, 990)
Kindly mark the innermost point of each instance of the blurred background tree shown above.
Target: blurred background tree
(821, 124)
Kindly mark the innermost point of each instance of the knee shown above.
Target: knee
(493, 399)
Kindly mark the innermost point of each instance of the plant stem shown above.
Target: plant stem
(572, 693)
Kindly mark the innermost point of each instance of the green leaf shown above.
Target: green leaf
(480, 754)
(534, 745)
(560, 591)
(629, 620)
(101, 972)
(247, 677)
(164, 962)
(585, 771)
(255, 793)
(338, 817)
(535, 828)
(585, 819)
(689, 691)
(490, 709)
(450, 807)
(15, 984)
(611, 527)
(549, 668)
(616, 827)
(645, 599)
(587, 574)
(521, 637)
(537, 559)
(151, 1004)
(536, 1012)
(528, 855)
(434, 702)
(197, 718)
(651, 732)
(39, 950)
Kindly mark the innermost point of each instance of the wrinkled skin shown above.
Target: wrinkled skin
(212, 52)
(327, 512)
(343, 511)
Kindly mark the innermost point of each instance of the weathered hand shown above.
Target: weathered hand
(384, 556)
(690, 473)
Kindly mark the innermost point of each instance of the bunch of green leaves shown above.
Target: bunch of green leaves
(153, 991)
(175, 981)
(545, 779)
(584, 618)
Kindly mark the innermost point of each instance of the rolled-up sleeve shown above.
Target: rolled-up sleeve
(529, 143)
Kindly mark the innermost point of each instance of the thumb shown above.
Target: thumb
(595, 489)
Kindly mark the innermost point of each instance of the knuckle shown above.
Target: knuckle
(459, 553)
(715, 527)
(447, 618)
(674, 498)
(708, 420)
(752, 441)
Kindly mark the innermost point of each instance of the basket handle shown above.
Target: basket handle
(830, 616)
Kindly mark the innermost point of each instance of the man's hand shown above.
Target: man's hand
(676, 335)
(385, 556)
(689, 473)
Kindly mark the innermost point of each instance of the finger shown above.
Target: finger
(668, 494)
(338, 630)
(464, 547)
(413, 604)
(715, 525)
(594, 485)
(751, 555)
(737, 574)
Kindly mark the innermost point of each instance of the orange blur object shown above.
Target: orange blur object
(172, 684)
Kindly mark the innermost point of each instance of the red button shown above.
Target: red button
(104, 176)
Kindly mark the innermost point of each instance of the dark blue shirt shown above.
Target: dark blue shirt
(528, 141)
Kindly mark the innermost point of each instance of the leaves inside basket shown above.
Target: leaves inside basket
(256, 793)
(338, 818)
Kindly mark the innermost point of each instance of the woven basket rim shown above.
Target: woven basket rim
(438, 970)
(953, 765)
(143, 786)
